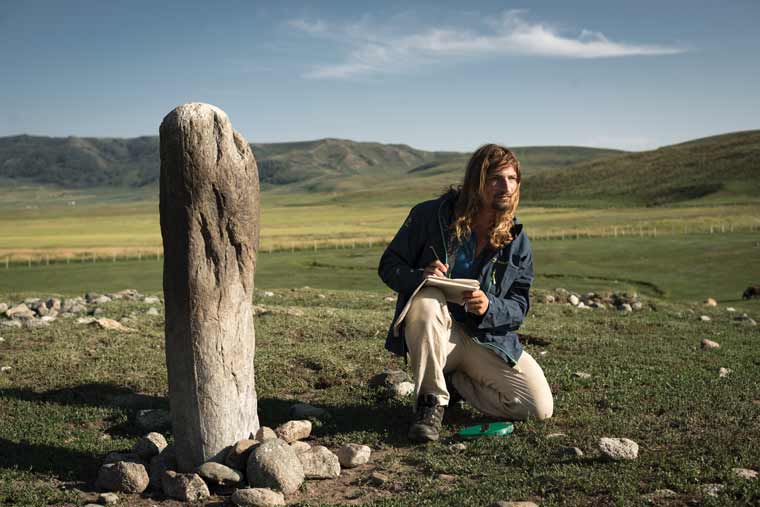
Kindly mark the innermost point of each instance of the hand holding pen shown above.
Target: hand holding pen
(436, 268)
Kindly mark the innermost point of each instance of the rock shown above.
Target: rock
(123, 476)
(153, 419)
(294, 430)
(502, 503)
(304, 410)
(582, 374)
(150, 445)
(151, 300)
(167, 460)
(152, 311)
(570, 451)
(388, 378)
(218, 474)
(458, 447)
(78, 308)
(2, 339)
(619, 448)
(446, 477)
(209, 217)
(704, 318)
(275, 464)
(4, 369)
(723, 372)
(3, 307)
(185, 487)
(547, 298)
(267, 294)
(711, 489)
(101, 300)
(321, 296)
(353, 455)
(108, 498)
(573, 300)
(129, 457)
(20, 311)
(300, 447)
(709, 344)
(85, 320)
(319, 463)
(257, 497)
(41, 309)
(389, 299)
(238, 454)
(637, 306)
(401, 390)
(711, 302)
(625, 307)
(35, 323)
(11, 323)
(730, 309)
(265, 433)
(659, 494)
(378, 479)
(555, 435)
(105, 323)
(745, 473)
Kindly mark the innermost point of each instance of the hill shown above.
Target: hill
(320, 165)
(723, 168)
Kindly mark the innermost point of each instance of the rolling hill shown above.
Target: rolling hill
(723, 168)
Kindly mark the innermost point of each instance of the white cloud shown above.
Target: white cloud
(371, 50)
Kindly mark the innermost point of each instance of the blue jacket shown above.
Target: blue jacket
(505, 276)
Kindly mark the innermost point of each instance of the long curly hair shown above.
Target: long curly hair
(483, 162)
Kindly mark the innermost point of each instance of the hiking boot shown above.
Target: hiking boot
(427, 421)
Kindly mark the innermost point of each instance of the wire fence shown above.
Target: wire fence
(298, 246)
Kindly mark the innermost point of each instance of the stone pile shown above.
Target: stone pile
(41, 311)
(623, 301)
(255, 471)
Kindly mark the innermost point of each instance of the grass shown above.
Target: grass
(679, 268)
(61, 408)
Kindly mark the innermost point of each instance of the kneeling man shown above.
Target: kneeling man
(469, 232)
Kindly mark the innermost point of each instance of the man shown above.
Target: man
(469, 232)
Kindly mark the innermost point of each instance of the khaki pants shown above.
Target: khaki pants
(439, 345)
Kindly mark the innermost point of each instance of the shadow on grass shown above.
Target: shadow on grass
(66, 464)
(95, 394)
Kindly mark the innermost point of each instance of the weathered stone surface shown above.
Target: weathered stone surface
(153, 419)
(304, 410)
(320, 463)
(300, 447)
(401, 389)
(221, 475)
(709, 344)
(108, 498)
(353, 455)
(294, 430)
(274, 464)
(573, 300)
(705, 318)
(724, 372)
(150, 445)
(619, 448)
(745, 473)
(20, 311)
(123, 476)
(265, 433)
(209, 204)
(237, 456)
(115, 325)
(11, 323)
(167, 460)
(711, 489)
(388, 378)
(257, 497)
(185, 487)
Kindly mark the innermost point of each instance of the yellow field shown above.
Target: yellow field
(301, 221)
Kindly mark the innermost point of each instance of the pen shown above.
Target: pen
(438, 259)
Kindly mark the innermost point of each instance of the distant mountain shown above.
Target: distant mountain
(720, 168)
(320, 165)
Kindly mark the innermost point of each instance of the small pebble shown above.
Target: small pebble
(704, 318)
(723, 372)
(582, 374)
(709, 344)
(5, 368)
(460, 447)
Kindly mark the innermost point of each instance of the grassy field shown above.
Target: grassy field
(72, 393)
(681, 268)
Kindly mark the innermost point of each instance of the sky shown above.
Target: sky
(434, 75)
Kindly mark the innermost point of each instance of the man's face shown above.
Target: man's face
(501, 186)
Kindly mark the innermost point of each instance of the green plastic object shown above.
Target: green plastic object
(494, 429)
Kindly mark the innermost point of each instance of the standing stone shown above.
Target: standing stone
(209, 204)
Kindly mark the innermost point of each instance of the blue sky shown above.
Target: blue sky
(434, 75)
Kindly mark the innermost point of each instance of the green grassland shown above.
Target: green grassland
(73, 391)
(680, 268)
